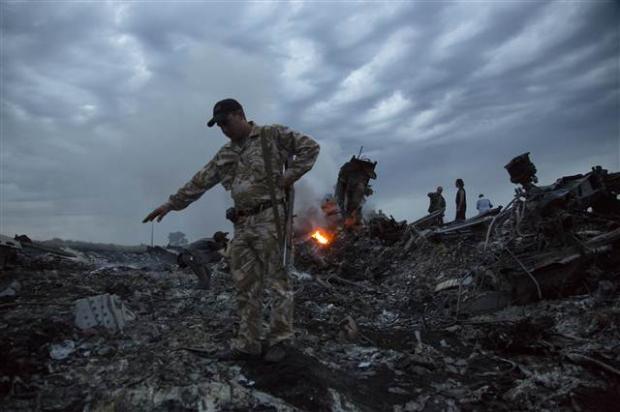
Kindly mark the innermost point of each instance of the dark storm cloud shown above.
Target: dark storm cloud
(103, 104)
(59, 59)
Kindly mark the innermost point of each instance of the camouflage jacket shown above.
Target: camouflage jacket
(240, 168)
(437, 202)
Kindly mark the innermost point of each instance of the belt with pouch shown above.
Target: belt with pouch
(266, 204)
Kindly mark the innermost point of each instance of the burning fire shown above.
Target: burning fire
(321, 236)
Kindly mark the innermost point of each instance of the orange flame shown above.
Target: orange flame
(321, 236)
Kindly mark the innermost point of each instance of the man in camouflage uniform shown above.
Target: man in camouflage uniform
(255, 250)
(437, 202)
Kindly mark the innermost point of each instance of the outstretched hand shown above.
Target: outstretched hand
(158, 213)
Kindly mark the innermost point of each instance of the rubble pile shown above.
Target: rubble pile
(515, 310)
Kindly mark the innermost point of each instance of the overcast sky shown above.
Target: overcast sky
(104, 103)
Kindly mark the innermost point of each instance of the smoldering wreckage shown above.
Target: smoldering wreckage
(515, 309)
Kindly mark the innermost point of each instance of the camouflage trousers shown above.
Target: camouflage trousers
(257, 269)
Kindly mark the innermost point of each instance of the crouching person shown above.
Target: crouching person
(200, 254)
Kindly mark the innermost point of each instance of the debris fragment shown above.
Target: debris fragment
(60, 351)
(11, 290)
(353, 187)
(102, 310)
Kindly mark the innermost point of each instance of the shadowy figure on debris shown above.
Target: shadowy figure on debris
(461, 200)
(353, 187)
(198, 255)
(483, 204)
(437, 203)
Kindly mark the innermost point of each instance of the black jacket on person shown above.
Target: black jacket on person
(461, 204)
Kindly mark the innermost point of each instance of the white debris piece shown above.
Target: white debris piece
(62, 350)
(364, 365)
(301, 276)
(453, 283)
(102, 310)
(447, 284)
(12, 289)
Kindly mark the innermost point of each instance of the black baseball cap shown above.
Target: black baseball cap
(222, 108)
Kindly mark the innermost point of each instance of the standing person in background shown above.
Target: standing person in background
(483, 204)
(461, 201)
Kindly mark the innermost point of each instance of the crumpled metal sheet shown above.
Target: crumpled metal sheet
(102, 310)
